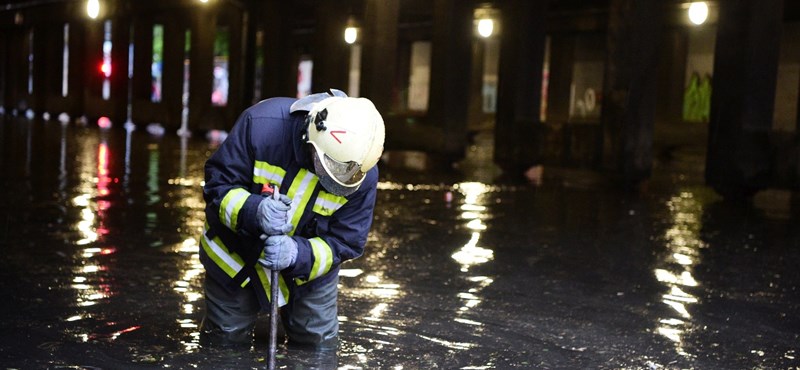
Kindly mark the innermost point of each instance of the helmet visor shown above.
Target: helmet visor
(346, 176)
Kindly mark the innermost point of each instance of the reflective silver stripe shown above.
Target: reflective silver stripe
(231, 264)
(326, 204)
(264, 173)
(266, 282)
(300, 193)
(323, 259)
(231, 205)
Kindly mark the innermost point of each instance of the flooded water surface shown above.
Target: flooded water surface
(100, 268)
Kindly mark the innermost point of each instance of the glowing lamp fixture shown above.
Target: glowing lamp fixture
(93, 8)
(698, 12)
(351, 30)
(350, 35)
(485, 27)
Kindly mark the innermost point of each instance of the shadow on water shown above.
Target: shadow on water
(100, 266)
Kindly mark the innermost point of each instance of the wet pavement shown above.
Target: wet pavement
(100, 268)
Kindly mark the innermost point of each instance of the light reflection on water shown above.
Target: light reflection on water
(190, 269)
(376, 287)
(472, 254)
(191, 273)
(675, 270)
(89, 284)
(94, 200)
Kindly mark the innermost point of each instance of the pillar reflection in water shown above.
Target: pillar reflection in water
(94, 188)
(62, 164)
(191, 275)
(153, 197)
(188, 185)
(675, 270)
(473, 211)
(126, 178)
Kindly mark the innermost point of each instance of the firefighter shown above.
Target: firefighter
(321, 152)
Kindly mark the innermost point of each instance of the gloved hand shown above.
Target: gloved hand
(280, 252)
(272, 215)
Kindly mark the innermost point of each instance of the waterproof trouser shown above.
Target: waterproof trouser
(309, 318)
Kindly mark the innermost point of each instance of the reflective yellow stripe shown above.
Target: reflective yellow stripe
(300, 192)
(231, 205)
(231, 263)
(323, 259)
(283, 290)
(265, 173)
(326, 204)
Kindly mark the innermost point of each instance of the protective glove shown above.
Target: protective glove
(272, 215)
(280, 252)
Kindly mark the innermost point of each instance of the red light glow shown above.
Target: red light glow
(105, 69)
(104, 122)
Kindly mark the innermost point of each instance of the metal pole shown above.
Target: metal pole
(273, 311)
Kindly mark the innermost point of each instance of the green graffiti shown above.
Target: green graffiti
(697, 99)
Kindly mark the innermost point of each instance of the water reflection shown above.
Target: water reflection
(153, 197)
(190, 269)
(88, 280)
(675, 271)
(376, 287)
(187, 285)
(471, 254)
(62, 164)
(471, 215)
(382, 293)
(127, 176)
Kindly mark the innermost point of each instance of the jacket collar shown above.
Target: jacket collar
(298, 119)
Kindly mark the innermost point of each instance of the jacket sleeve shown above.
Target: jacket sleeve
(339, 238)
(228, 176)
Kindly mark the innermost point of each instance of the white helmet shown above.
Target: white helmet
(347, 135)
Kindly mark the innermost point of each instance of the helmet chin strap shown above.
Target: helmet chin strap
(309, 160)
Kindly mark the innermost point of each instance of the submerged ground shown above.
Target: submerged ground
(98, 232)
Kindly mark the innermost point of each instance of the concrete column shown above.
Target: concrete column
(4, 53)
(12, 44)
(743, 95)
(204, 28)
(671, 73)
(51, 99)
(280, 68)
(475, 106)
(451, 56)
(77, 72)
(379, 53)
(519, 84)
(629, 95)
(235, 105)
(120, 38)
(172, 82)
(144, 110)
(331, 53)
(562, 60)
(249, 28)
(18, 65)
(142, 86)
(93, 104)
(42, 67)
